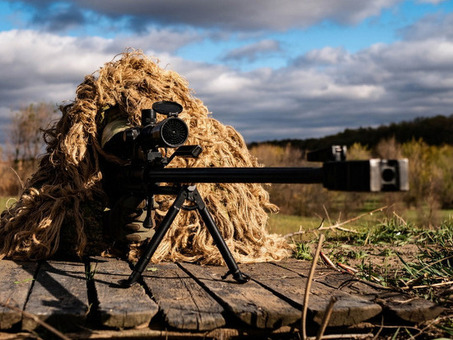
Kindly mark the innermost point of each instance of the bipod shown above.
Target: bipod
(189, 193)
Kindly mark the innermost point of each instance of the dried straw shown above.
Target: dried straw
(69, 178)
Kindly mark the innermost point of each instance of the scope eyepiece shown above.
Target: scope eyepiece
(171, 132)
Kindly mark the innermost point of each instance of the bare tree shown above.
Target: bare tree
(26, 135)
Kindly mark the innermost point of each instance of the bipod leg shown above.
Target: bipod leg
(240, 277)
(148, 222)
(156, 239)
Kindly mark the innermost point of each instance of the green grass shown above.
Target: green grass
(285, 224)
(5, 201)
(288, 224)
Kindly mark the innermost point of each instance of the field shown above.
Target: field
(285, 224)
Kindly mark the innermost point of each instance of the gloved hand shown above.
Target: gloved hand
(126, 220)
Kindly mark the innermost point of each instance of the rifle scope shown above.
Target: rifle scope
(171, 132)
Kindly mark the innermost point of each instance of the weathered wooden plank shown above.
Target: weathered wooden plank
(410, 309)
(303, 268)
(59, 296)
(348, 310)
(120, 308)
(15, 283)
(394, 303)
(184, 303)
(249, 302)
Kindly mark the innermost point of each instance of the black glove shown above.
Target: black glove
(126, 220)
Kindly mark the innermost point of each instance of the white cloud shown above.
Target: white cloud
(439, 25)
(436, 2)
(327, 55)
(253, 51)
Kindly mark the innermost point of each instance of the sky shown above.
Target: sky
(273, 69)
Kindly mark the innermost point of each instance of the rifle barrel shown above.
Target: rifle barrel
(236, 175)
(368, 175)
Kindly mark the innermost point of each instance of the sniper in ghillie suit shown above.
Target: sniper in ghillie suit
(62, 207)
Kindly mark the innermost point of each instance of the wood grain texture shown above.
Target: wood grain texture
(119, 307)
(184, 303)
(59, 295)
(16, 280)
(249, 302)
(184, 298)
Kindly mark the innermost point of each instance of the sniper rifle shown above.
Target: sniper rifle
(147, 171)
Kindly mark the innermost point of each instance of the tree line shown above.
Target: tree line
(436, 131)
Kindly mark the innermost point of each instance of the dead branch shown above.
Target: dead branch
(326, 318)
(339, 225)
(308, 286)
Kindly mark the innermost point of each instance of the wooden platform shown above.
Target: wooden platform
(187, 300)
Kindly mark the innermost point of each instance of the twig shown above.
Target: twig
(344, 336)
(376, 336)
(400, 218)
(300, 232)
(347, 268)
(308, 286)
(338, 225)
(329, 261)
(18, 177)
(35, 318)
(326, 318)
(432, 323)
(327, 214)
(429, 285)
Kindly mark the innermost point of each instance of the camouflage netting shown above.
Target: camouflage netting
(65, 192)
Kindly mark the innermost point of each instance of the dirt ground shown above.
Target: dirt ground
(406, 267)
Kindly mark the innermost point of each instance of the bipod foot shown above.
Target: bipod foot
(239, 276)
(126, 283)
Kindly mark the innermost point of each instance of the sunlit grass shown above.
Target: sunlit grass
(6, 202)
(285, 224)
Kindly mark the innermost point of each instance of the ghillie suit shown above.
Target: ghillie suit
(63, 200)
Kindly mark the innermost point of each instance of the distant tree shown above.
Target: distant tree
(26, 137)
